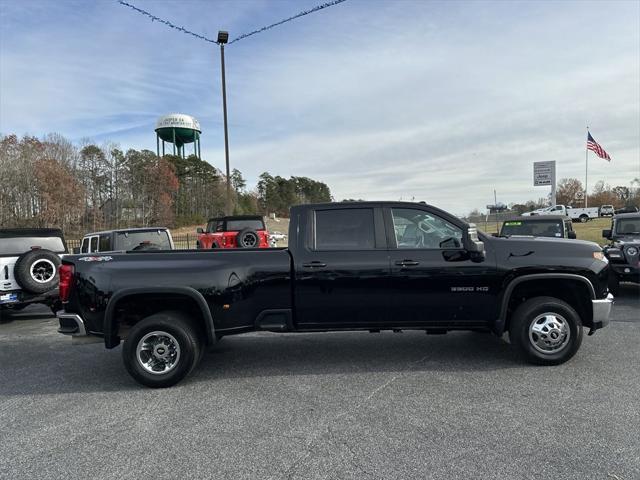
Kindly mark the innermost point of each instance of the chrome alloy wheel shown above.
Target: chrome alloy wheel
(158, 352)
(43, 270)
(549, 333)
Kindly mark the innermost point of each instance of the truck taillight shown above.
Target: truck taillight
(65, 272)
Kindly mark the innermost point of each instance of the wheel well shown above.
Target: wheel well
(135, 307)
(573, 292)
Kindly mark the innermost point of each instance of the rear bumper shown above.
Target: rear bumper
(20, 297)
(71, 324)
(601, 311)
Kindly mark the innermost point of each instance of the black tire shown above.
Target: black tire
(36, 271)
(614, 284)
(183, 331)
(248, 238)
(584, 218)
(525, 315)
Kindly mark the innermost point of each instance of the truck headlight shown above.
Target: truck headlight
(600, 256)
(632, 251)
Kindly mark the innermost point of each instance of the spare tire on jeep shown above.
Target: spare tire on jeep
(248, 238)
(36, 271)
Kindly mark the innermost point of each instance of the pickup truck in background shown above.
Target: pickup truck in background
(576, 214)
(367, 266)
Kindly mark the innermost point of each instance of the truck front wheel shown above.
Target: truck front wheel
(584, 218)
(546, 331)
(162, 349)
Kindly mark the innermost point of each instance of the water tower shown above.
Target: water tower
(178, 129)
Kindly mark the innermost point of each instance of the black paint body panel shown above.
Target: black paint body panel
(334, 290)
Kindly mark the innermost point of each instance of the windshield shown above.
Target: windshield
(551, 228)
(138, 240)
(628, 226)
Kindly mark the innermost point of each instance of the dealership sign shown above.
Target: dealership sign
(544, 173)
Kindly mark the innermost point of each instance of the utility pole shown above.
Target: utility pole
(223, 37)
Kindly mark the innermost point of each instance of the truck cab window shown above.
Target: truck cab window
(345, 229)
(94, 244)
(84, 248)
(420, 229)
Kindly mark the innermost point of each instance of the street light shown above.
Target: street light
(223, 37)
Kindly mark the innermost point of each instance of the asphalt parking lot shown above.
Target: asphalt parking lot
(336, 405)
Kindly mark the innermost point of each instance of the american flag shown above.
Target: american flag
(595, 147)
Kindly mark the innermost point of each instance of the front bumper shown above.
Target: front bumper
(601, 311)
(626, 272)
(71, 324)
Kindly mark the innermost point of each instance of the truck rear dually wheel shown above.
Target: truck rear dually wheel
(162, 349)
(546, 331)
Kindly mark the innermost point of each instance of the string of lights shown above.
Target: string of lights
(166, 22)
(241, 37)
(301, 14)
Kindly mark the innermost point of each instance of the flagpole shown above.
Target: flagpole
(586, 171)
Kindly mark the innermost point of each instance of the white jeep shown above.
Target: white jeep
(29, 260)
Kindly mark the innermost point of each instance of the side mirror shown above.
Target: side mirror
(199, 230)
(473, 244)
(571, 235)
(606, 234)
(76, 250)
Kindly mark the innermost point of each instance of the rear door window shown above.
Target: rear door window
(344, 229)
(94, 244)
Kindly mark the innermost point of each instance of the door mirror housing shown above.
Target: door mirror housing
(473, 244)
(199, 230)
(606, 234)
(571, 235)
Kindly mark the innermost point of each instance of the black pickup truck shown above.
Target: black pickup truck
(367, 266)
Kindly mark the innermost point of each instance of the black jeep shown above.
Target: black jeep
(29, 260)
(624, 250)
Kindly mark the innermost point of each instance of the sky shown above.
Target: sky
(441, 101)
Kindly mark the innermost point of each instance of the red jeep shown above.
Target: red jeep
(243, 231)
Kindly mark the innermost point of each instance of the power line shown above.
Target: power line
(301, 14)
(241, 37)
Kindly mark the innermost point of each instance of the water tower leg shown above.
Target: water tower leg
(163, 148)
(174, 140)
(157, 145)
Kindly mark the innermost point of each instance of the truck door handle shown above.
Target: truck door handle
(314, 264)
(407, 263)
